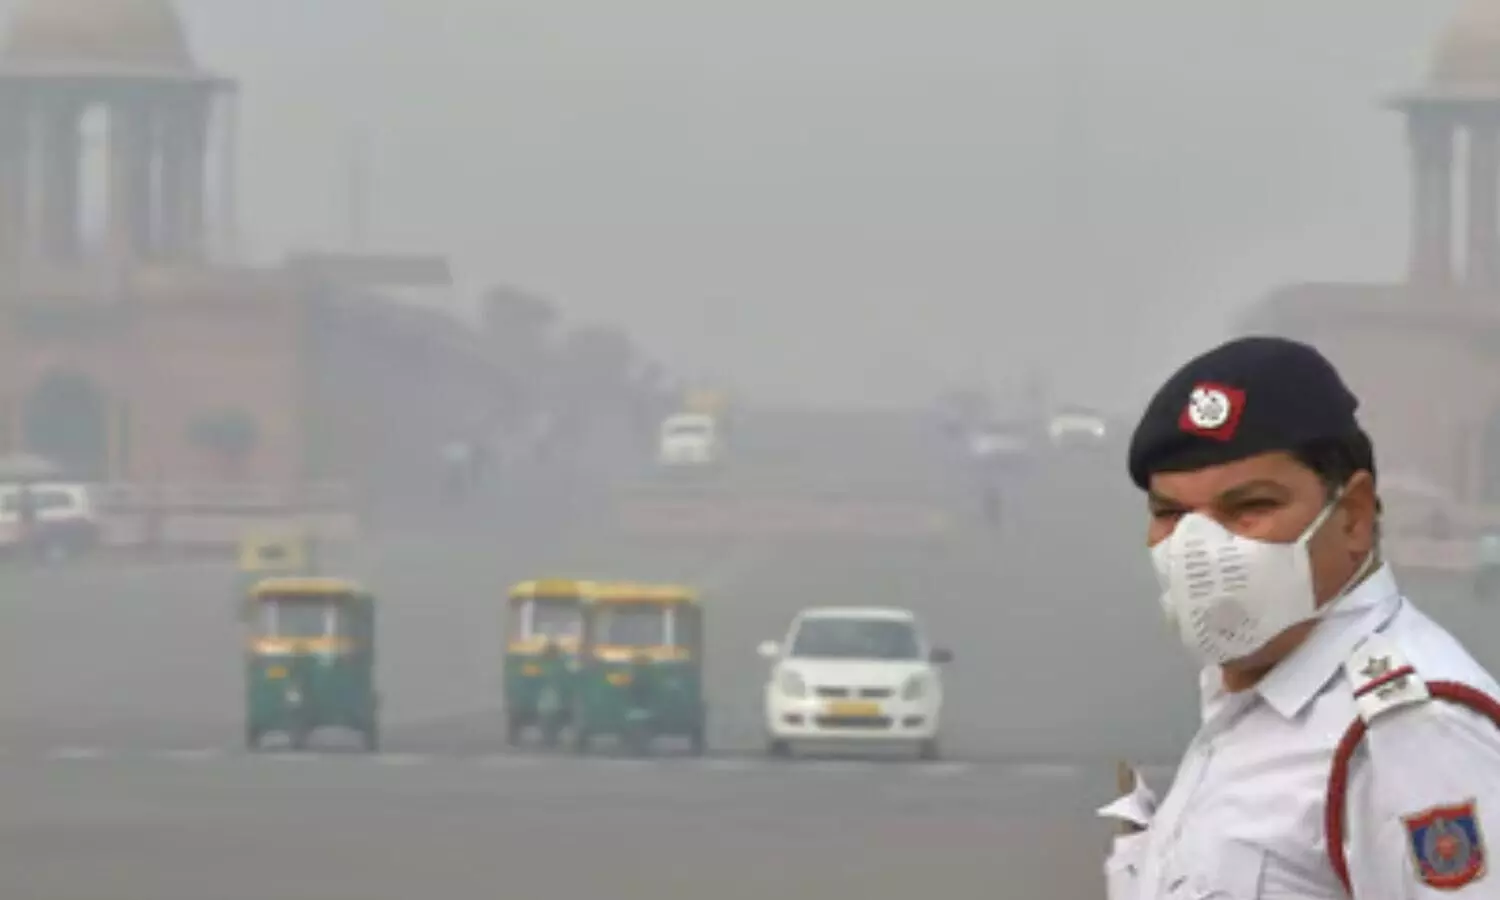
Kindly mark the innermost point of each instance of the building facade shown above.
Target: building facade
(1424, 353)
(133, 348)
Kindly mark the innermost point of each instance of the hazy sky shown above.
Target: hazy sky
(857, 200)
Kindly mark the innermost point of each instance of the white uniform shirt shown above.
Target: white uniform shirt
(1244, 817)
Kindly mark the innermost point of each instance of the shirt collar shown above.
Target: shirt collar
(1296, 680)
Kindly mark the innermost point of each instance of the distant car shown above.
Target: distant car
(854, 676)
(66, 520)
(1077, 428)
(690, 439)
(991, 443)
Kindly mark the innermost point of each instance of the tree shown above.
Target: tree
(518, 320)
(519, 327)
(229, 435)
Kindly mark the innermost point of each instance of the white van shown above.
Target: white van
(689, 439)
(67, 518)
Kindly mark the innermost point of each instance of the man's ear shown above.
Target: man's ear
(1361, 511)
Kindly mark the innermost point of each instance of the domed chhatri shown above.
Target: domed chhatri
(1467, 55)
(98, 36)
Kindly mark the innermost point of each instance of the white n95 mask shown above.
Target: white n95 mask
(1230, 595)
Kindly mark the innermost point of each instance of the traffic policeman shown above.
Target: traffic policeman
(1348, 745)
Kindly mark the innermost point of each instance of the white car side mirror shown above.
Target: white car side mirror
(769, 649)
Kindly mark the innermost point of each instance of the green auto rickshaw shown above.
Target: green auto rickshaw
(544, 620)
(640, 667)
(267, 554)
(310, 660)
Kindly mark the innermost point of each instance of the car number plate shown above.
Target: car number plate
(276, 672)
(531, 669)
(847, 709)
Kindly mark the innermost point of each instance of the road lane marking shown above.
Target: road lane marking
(942, 769)
(403, 759)
(511, 761)
(1046, 770)
(730, 765)
(193, 754)
(282, 756)
(834, 766)
(77, 753)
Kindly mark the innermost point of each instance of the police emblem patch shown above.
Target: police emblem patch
(1212, 411)
(1447, 845)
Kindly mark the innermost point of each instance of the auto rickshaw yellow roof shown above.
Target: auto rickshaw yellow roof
(560, 588)
(630, 592)
(312, 586)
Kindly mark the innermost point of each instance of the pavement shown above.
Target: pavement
(121, 698)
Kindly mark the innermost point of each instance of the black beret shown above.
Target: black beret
(1249, 396)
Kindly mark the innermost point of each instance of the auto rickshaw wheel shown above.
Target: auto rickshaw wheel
(371, 738)
(638, 741)
(252, 738)
(551, 731)
(582, 741)
(697, 739)
(513, 729)
(299, 736)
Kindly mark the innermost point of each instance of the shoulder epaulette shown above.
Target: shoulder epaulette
(1382, 678)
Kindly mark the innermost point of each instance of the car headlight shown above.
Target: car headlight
(914, 688)
(792, 685)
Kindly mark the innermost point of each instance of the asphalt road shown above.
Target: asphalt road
(120, 719)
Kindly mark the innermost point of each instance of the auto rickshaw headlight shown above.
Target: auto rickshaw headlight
(914, 688)
(792, 684)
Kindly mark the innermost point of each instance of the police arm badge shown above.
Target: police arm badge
(1447, 845)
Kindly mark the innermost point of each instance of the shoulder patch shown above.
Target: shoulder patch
(1382, 678)
(1447, 845)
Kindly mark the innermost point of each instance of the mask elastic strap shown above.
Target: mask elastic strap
(1322, 517)
(1364, 569)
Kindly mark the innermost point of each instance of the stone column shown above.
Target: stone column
(132, 197)
(60, 183)
(171, 192)
(32, 165)
(125, 139)
(1431, 143)
(194, 170)
(12, 177)
(1483, 252)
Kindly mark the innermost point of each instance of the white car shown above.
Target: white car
(1075, 428)
(66, 517)
(854, 676)
(689, 439)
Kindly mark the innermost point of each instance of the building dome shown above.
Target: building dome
(97, 36)
(1467, 57)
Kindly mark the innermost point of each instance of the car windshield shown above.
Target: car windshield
(42, 499)
(631, 626)
(687, 428)
(555, 618)
(297, 618)
(850, 638)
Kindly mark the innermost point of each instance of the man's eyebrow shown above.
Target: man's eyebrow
(1155, 499)
(1260, 485)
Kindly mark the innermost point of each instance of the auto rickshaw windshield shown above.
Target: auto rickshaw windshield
(551, 618)
(298, 617)
(634, 626)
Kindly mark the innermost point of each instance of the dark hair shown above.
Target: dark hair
(1335, 460)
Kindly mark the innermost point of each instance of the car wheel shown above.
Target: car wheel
(930, 750)
(778, 749)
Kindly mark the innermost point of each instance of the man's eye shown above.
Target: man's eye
(1166, 515)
